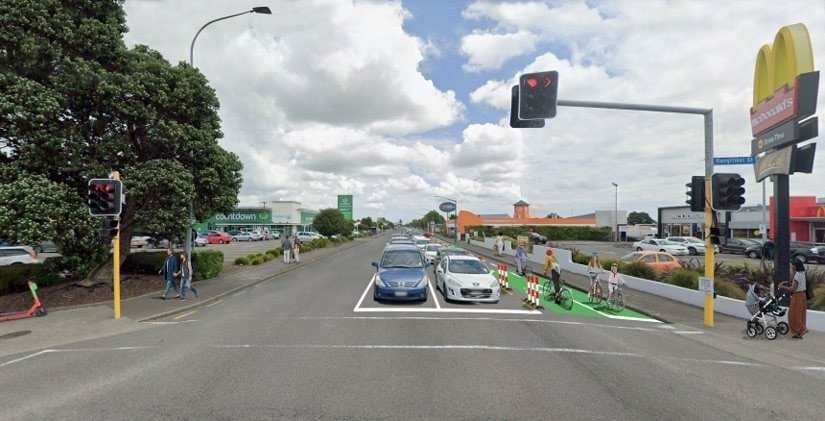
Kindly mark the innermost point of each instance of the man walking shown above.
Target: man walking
(170, 267)
(296, 249)
(286, 247)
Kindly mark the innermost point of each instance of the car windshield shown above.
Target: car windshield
(474, 267)
(631, 256)
(433, 247)
(454, 252)
(420, 242)
(668, 243)
(401, 259)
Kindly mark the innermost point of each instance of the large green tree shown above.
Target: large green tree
(331, 222)
(634, 218)
(75, 104)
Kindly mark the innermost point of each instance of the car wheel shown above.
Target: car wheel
(692, 251)
(753, 255)
(638, 249)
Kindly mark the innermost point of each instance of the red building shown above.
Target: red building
(807, 219)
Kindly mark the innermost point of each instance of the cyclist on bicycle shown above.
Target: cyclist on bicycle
(594, 269)
(614, 279)
(552, 264)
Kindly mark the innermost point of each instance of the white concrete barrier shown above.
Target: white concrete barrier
(724, 305)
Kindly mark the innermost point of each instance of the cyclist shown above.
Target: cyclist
(614, 279)
(594, 269)
(552, 264)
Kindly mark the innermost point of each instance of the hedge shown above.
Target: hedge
(206, 264)
(14, 278)
(553, 233)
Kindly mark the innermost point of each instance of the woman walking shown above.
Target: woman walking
(296, 249)
(185, 277)
(799, 300)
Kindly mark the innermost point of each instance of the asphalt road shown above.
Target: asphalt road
(296, 348)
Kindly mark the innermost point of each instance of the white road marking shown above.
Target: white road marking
(45, 351)
(484, 319)
(432, 294)
(170, 322)
(188, 313)
(214, 304)
(366, 290)
(809, 368)
(665, 327)
(610, 316)
(688, 332)
(53, 351)
(441, 310)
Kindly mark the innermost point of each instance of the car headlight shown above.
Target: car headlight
(494, 283)
(423, 282)
(380, 282)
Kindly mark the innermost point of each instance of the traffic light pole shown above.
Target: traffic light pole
(707, 113)
(116, 262)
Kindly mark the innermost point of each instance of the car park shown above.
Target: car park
(466, 278)
(659, 261)
(657, 244)
(431, 251)
(218, 237)
(737, 245)
(694, 245)
(401, 274)
(17, 255)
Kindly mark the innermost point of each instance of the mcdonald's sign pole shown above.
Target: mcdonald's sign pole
(785, 88)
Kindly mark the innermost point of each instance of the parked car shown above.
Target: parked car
(17, 255)
(141, 241)
(451, 251)
(537, 238)
(401, 274)
(421, 242)
(305, 236)
(756, 249)
(201, 240)
(694, 245)
(659, 261)
(808, 254)
(256, 236)
(466, 278)
(431, 252)
(240, 236)
(657, 244)
(218, 237)
(737, 245)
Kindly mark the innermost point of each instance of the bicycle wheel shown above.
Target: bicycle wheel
(565, 299)
(618, 301)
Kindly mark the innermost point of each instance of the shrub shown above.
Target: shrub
(206, 264)
(818, 302)
(607, 263)
(146, 263)
(638, 270)
(267, 257)
(728, 289)
(579, 257)
(14, 278)
(275, 252)
(242, 261)
(257, 260)
(683, 278)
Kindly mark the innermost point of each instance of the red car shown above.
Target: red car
(218, 237)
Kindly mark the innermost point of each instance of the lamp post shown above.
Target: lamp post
(261, 10)
(455, 202)
(616, 211)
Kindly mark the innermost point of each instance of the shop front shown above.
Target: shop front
(807, 219)
(240, 219)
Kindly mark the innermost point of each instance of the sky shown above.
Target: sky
(398, 101)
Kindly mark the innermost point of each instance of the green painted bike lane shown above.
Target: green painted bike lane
(580, 305)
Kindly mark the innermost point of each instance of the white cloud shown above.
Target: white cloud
(489, 51)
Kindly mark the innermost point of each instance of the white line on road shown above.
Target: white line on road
(366, 290)
(688, 332)
(169, 322)
(53, 351)
(432, 293)
(483, 319)
(45, 351)
(442, 310)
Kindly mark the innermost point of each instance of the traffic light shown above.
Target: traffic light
(515, 122)
(105, 197)
(696, 193)
(537, 95)
(728, 191)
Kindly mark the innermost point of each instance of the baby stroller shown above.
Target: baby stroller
(764, 318)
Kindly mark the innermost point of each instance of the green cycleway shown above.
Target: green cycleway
(580, 305)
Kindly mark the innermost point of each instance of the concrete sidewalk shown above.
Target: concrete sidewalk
(67, 325)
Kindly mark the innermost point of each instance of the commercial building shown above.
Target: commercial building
(807, 218)
(285, 217)
(681, 221)
(522, 216)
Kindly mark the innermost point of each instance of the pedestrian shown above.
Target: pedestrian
(498, 245)
(168, 270)
(286, 248)
(521, 260)
(185, 274)
(799, 300)
(296, 249)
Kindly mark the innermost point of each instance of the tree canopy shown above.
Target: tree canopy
(332, 222)
(634, 218)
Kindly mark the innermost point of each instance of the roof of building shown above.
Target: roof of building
(495, 215)
(587, 215)
(521, 203)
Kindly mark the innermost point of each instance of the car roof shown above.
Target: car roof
(401, 247)
(463, 257)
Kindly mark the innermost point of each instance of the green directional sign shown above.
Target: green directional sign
(345, 205)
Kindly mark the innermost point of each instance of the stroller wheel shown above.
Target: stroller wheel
(751, 331)
(783, 328)
(759, 329)
(770, 333)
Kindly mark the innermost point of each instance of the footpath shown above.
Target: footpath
(727, 334)
(72, 324)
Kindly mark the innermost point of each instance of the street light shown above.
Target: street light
(616, 211)
(455, 202)
(260, 10)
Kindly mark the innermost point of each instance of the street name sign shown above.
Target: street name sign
(733, 160)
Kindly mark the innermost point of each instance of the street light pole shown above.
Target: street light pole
(187, 247)
(616, 211)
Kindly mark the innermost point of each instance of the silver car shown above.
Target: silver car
(466, 278)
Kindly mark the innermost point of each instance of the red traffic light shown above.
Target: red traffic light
(532, 82)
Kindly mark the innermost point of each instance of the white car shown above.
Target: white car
(466, 278)
(17, 255)
(657, 244)
(421, 241)
(694, 245)
(201, 241)
(431, 252)
(305, 236)
(141, 241)
(256, 236)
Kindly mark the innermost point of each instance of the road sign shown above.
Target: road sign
(733, 160)
(537, 95)
(786, 134)
(447, 207)
(774, 163)
(516, 122)
(787, 103)
(345, 205)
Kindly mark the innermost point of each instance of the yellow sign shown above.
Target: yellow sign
(820, 212)
(779, 64)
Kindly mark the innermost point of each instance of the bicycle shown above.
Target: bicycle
(615, 302)
(595, 295)
(564, 298)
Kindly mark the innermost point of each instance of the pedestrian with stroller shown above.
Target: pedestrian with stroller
(521, 260)
(185, 274)
(296, 249)
(286, 248)
(799, 300)
(168, 270)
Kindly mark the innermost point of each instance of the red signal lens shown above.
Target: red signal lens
(532, 82)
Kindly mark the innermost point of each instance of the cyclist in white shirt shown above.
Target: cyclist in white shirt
(614, 279)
